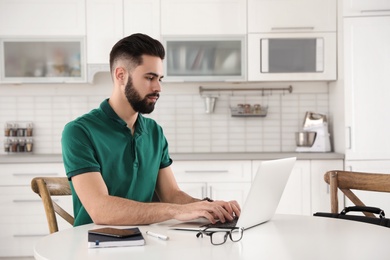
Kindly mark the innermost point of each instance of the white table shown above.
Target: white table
(284, 237)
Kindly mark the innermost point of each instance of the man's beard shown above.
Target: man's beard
(143, 106)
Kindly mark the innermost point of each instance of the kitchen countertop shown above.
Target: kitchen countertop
(57, 158)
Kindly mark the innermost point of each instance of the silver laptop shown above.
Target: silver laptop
(263, 198)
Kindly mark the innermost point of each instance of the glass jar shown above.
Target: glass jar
(29, 130)
(21, 145)
(7, 146)
(14, 145)
(7, 129)
(29, 145)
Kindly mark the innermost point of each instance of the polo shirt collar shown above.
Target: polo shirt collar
(139, 124)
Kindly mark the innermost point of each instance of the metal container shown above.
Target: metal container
(305, 139)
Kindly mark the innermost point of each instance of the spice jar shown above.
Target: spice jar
(29, 130)
(29, 145)
(7, 146)
(21, 145)
(14, 145)
(7, 129)
(247, 109)
(257, 108)
(14, 130)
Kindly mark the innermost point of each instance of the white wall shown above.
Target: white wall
(180, 110)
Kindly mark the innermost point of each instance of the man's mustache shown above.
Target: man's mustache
(154, 95)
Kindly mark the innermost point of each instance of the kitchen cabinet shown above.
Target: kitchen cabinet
(121, 18)
(370, 198)
(42, 18)
(367, 92)
(306, 191)
(205, 59)
(23, 220)
(366, 8)
(218, 180)
(265, 16)
(203, 17)
(320, 195)
(296, 196)
(42, 60)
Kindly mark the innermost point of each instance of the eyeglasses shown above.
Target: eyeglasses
(220, 237)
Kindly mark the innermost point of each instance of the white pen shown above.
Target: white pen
(162, 237)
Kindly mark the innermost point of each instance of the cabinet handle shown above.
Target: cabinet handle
(349, 137)
(208, 171)
(293, 28)
(19, 174)
(30, 235)
(375, 11)
(203, 193)
(211, 192)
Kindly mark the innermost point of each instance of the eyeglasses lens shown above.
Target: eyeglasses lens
(219, 238)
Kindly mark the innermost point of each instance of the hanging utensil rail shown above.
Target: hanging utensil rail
(203, 89)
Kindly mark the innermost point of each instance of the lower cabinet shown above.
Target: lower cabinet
(218, 180)
(23, 219)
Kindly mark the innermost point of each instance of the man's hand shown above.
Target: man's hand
(213, 211)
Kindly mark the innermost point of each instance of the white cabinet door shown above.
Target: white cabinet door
(374, 199)
(23, 220)
(219, 180)
(296, 196)
(142, 16)
(291, 15)
(229, 191)
(367, 92)
(320, 196)
(203, 17)
(217, 190)
(42, 18)
(366, 8)
(104, 29)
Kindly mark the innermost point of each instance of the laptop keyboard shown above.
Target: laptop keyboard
(228, 224)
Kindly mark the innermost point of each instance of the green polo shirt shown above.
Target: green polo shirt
(100, 141)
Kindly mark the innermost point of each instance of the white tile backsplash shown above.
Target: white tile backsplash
(179, 111)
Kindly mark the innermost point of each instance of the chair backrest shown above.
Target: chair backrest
(46, 187)
(347, 181)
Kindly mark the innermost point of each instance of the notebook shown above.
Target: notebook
(113, 237)
(263, 198)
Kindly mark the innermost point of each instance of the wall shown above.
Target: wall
(180, 110)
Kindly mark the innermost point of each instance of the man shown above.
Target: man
(115, 158)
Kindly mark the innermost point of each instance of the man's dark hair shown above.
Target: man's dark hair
(132, 48)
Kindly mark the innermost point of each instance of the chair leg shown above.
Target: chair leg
(334, 201)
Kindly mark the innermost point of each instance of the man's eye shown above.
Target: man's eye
(150, 78)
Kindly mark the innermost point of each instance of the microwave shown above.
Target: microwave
(292, 57)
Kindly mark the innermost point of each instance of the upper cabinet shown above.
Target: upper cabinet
(366, 8)
(42, 18)
(203, 17)
(43, 60)
(205, 59)
(269, 16)
(108, 21)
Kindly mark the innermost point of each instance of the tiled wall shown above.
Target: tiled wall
(180, 111)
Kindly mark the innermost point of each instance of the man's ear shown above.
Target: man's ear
(120, 75)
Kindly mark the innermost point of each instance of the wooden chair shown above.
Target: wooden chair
(46, 187)
(345, 181)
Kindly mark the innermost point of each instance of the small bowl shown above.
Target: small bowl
(305, 139)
